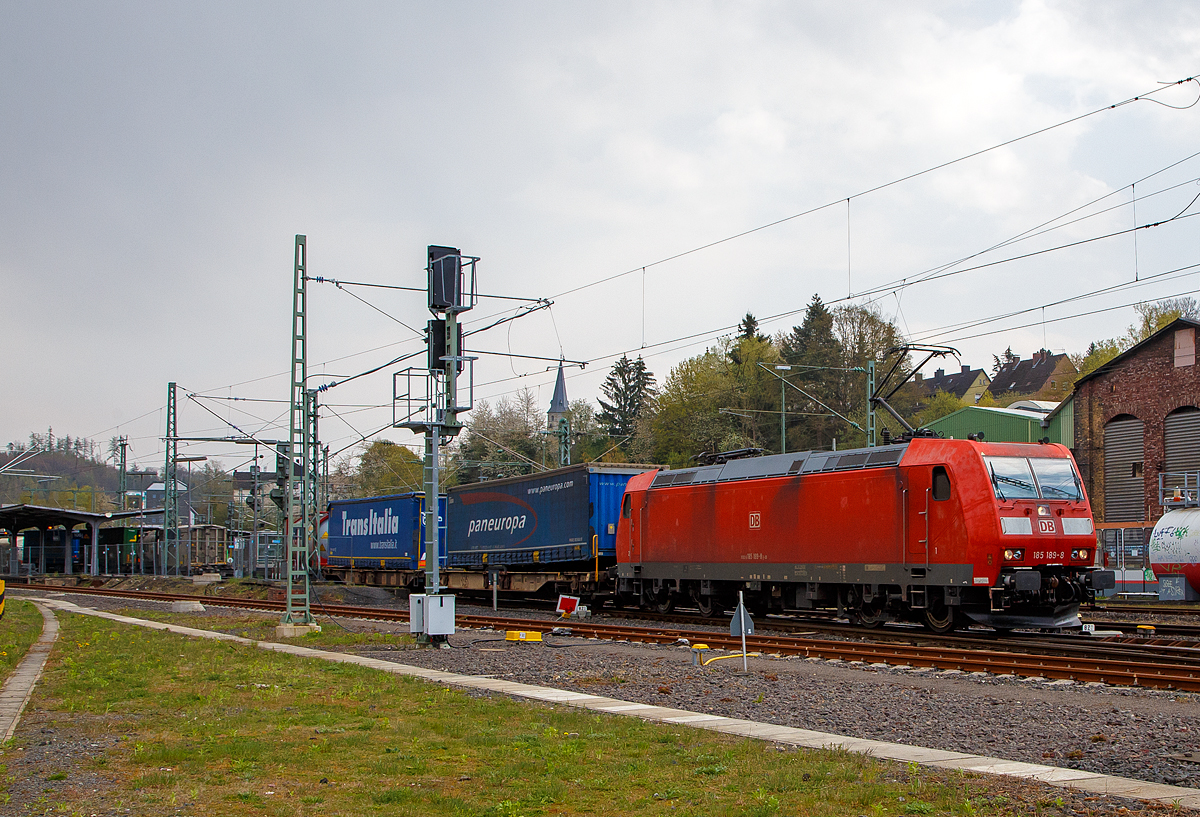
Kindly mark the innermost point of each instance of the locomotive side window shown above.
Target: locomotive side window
(625, 506)
(1057, 479)
(941, 483)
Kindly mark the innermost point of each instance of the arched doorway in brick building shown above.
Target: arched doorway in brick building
(1124, 486)
(1181, 446)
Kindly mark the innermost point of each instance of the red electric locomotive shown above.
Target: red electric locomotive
(936, 530)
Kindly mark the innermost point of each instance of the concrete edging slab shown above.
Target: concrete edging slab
(18, 687)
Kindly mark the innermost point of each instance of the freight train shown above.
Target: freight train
(945, 532)
(547, 533)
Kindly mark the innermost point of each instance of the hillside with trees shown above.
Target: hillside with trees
(63, 472)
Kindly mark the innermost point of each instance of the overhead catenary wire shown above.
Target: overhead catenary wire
(879, 187)
(847, 199)
(1147, 96)
(1157, 278)
(942, 271)
(705, 337)
(1097, 311)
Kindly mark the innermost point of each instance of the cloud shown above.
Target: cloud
(159, 160)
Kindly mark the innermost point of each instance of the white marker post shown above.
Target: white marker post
(742, 625)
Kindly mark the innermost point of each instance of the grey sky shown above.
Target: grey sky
(156, 160)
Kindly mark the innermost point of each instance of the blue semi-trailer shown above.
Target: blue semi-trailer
(562, 518)
(381, 532)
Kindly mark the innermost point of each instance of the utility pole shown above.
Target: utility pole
(312, 470)
(870, 404)
(170, 490)
(253, 554)
(297, 617)
(564, 442)
(122, 486)
(322, 496)
(780, 367)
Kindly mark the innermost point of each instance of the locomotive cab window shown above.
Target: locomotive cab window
(1011, 477)
(1057, 479)
(625, 503)
(941, 483)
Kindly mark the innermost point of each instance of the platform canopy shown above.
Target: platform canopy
(15, 518)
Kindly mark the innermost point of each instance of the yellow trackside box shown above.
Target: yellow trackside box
(522, 635)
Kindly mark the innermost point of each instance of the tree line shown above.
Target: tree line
(730, 396)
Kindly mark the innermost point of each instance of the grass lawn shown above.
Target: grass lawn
(261, 627)
(20, 628)
(214, 728)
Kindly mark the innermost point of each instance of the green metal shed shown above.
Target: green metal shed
(1001, 425)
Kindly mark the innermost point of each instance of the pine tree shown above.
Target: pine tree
(1009, 357)
(814, 345)
(629, 388)
(748, 328)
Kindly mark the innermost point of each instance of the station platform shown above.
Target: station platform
(1076, 779)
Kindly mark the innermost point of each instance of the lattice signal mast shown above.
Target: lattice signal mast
(428, 401)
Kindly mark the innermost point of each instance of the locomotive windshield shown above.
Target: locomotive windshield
(1056, 479)
(1035, 478)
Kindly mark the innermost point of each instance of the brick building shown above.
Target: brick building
(1134, 418)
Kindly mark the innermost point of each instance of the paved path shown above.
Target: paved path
(19, 687)
(1051, 775)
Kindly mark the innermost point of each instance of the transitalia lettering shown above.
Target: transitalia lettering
(504, 523)
(371, 525)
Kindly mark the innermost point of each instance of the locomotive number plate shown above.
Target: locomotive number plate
(1046, 525)
(755, 521)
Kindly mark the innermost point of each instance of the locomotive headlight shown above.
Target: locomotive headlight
(1043, 510)
(1082, 553)
(1014, 554)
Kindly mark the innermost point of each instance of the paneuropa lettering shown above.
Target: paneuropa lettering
(504, 523)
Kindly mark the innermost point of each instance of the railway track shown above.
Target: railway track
(1106, 662)
(1181, 609)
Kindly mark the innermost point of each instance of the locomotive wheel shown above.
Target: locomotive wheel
(941, 619)
(708, 605)
(661, 603)
(871, 616)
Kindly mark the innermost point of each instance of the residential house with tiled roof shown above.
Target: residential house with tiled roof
(1045, 376)
(967, 385)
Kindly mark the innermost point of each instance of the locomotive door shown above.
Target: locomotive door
(632, 507)
(919, 501)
